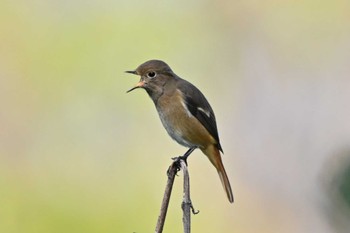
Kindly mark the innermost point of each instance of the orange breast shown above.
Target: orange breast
(180, 124)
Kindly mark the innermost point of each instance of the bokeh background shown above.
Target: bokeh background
(77, 154)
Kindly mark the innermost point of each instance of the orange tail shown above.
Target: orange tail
(215, 158)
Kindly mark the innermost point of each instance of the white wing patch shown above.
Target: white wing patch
(204, 111)
(182, 100)
(186, 109)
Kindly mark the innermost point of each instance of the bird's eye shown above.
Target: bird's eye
(151, 74)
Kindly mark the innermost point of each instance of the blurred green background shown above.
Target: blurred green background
(77, 154)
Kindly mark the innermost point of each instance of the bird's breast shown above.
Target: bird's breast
(180, 124)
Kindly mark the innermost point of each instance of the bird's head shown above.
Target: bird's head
(154, 75)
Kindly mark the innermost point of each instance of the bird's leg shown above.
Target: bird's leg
(188, 152)
(184, 157)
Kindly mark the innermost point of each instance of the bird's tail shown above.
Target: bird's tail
(215, 158)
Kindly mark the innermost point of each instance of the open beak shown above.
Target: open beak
(138, 85)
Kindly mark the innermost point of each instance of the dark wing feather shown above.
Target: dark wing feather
(195, 101)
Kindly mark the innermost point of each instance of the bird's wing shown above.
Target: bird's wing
(199, 107)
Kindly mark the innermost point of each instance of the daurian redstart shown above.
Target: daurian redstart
(185, 113)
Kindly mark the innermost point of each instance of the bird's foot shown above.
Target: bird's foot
(184, 157)
(178, 159)
(176, 164)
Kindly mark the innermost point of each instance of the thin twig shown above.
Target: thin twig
(165, 203)
(178, 164)
(186, 202)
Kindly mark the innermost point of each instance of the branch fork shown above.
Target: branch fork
(178, 164)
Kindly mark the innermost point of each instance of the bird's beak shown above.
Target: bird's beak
(131, 72)
(138, 85)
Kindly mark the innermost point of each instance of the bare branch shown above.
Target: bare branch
(179, 163)
(166, 198)
(186, 202)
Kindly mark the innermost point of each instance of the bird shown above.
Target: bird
(184, 112)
